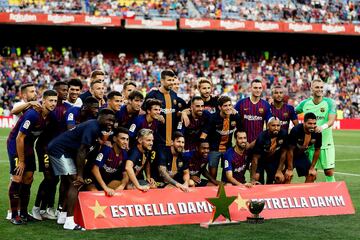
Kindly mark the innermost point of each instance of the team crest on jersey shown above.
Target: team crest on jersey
(281, 141)
(181, 164)
(99, 157)
(322, 109)
(313, 141)
(174, 101)
(26, 124)
(285, 114)
(261, 110)
(233, 123)
(179, 105)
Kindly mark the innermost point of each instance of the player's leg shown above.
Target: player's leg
(27, 180)
(329, 163)
(214, 159)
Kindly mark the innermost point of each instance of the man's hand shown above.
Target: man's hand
(144, 188)
(36, 105)
(318, 129)
(78, 182)
(289, 174)
(279, 177)
(161, 119)
(183, 187)
(312, 172)
(196, 179)
(19, 170)
(184, 117)
(151, 181)
(109, 191)
(248, 185)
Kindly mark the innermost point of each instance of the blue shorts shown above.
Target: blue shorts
(302, 164)
(30, 163)
(214, 159)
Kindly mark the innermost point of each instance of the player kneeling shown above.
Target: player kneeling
(302, 138)
(107, 172)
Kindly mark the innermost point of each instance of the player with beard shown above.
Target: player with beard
(173, 167)
(138, 162)
(205, 87)
(301, 138)
(20, 146)
(198, 161)
(269, 153)
(198, 119)
(235, 161)
(67, 154)
(128, 112)
(282, 110)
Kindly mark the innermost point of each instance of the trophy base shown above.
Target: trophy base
(255, 220)
(214, 224)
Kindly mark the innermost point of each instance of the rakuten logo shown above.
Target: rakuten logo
(197, 23)
(266, 26)
(300, 27)
(60, 18)
(23, 17)
(97, 20)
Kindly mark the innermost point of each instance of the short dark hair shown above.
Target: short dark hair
(112, 94)
(223, 99)
(23, 87)
(106, 111)
(195, 98)
(152, 102)
(118, 130)
(201, 141)
(128, 83)
(308, 116)
(90, 100)
(135, 94)
(177, 135)
(255, 81)
(60, 83)
(239, 131)
(49, 93)
(75, 82)
(167, 73)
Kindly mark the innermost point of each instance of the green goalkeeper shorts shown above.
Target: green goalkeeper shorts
(326, 159)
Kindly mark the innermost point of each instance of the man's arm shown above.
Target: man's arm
(231, 179)
(21, 107)
(130, 171)
(165, 175)
(279, 176)
(186, 177)
(96, 172)
(124, 181)
(254, 164)
(207, 175)
(20, 149)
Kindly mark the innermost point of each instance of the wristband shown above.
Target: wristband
(324, 126)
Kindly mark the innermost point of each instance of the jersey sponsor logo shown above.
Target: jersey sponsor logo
(167, 110)
(99, 157)
(253, 118)
(26, 124)
(132, 127)
(227, 132)
(71, 117)
(240, 169)
(320, 117)
(109, 169)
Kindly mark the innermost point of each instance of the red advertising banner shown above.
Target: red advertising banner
(237, 25)
(133, 208)
(150, 24)
(59, 19)
(7, 122)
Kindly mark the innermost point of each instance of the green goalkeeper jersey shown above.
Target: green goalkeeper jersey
(322, 110)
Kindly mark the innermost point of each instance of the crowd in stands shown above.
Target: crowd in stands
(309, 11)
(231, 72)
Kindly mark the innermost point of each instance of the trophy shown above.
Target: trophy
(255, 207)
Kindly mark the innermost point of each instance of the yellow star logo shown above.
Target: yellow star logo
(98, 210)
(241, 202)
